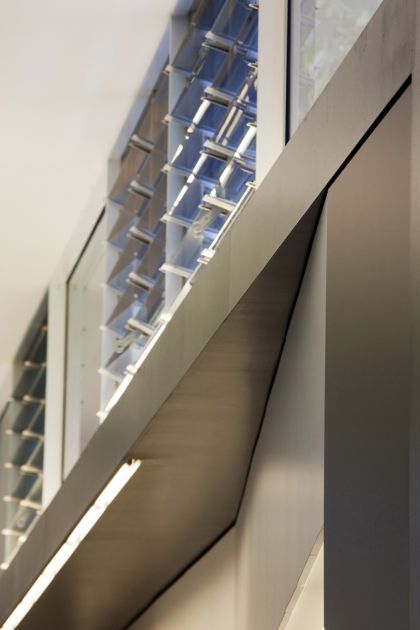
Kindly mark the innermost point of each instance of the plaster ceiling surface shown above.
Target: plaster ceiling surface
(70, 72)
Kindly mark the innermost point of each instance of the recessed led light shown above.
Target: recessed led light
(79, 532)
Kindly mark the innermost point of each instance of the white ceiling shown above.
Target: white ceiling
(70, 72)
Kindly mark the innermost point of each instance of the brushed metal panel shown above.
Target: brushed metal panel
(196, 453)
(368, 371)
(415, 327)
(282, 511)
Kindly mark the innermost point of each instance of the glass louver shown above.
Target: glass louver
(22, 423)
(153, 234)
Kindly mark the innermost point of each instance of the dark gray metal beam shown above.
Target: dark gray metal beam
(367, 395)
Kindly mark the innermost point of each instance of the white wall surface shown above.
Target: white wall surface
(272, 69)
(308, 610)
(282, 511)
(85, 298)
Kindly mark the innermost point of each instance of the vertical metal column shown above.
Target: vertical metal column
(272, 70)
(176, 133)
(414, 593)
(367, 417)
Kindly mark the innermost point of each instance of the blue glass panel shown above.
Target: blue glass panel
(207, 14)
(24, 451)
(250, 154)
(153, 302)
(135, 202)
(212, 118)
(119, 233)
(217, 224)
(38, 352)
(38, 386)
(151, 210)
(150, 125)
(233, 19)
(190, 53)
(132, 162)
(249, 99)
(211, 169)
(233, 74)
(231, 135)
(24, 486)
(127, 307)
(146, 128)
(153, 258)
(191, 106)
(187, 208)
(119, 276)
(19, 416)
(31, 382)
(235, 186)
(160, 102)
(189, 102)
(210, 64)
(119, 361)
(37, 426)
(190, 249)
(207, 223)
(249, 36)
(219, 58)
(119, 323)
(187, 158)
(150, 172)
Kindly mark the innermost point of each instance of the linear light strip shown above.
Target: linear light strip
(80, 531)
